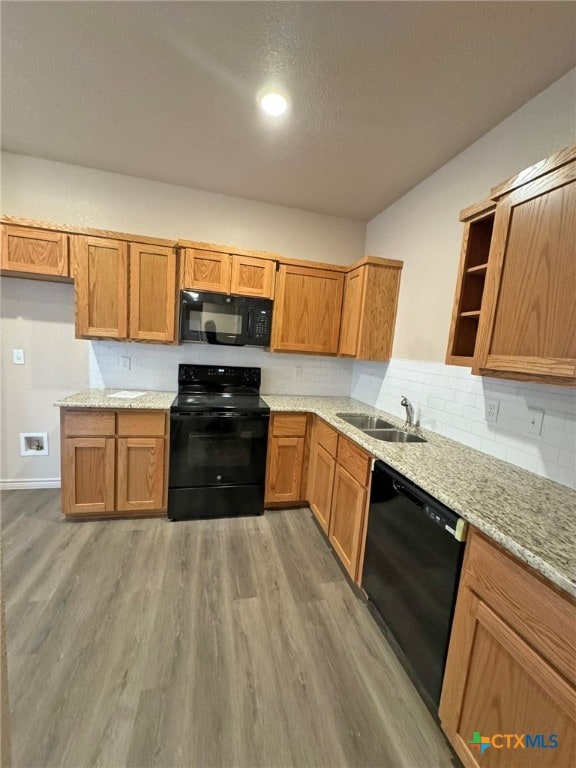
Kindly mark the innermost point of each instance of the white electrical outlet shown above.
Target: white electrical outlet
(492, 407)
(18, 356)
(535, 419)
(125, 362)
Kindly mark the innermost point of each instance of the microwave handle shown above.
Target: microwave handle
(250, 323)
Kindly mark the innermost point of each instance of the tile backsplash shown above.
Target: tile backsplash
(156, 367)
(449, 400)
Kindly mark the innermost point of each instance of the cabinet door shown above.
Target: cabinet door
(140, 484)
(34, 251)
(101, 278)
(253, 277)
(307, 310)
(347, 518)
(321, 484)
(505, 687)
(352, 311)
(284, 469)
(88, 476)
(528, 319)
(152, 292)
(207, 270)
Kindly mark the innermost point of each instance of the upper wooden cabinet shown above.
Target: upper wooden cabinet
(369, 310)
(205, 270)
(34, 253)
(528, 319)
(100, 271)
(514, 312)
(152, 293)
(478, 226)
(307, 310)
(108, 291)
(510, 666)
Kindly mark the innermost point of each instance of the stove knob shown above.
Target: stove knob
(218, 477)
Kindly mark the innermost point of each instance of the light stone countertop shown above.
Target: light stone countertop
(100, 398)
(533, 518)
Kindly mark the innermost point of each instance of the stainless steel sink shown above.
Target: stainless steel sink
(394, 436)
(362, 421)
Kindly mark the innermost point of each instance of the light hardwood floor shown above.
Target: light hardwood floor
(226, 643)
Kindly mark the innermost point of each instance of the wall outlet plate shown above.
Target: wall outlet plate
(18, 356)
(535, 419)
(491, 409)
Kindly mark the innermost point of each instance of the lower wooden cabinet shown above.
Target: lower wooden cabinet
(511, 670)
(284, 468)
(113, 462)
(338, 483)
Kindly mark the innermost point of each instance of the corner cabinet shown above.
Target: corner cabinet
(511, 665)
(34, 253)
(528, 321)
(307, 310)
(124, 290)
(369, 309)
(113, 462)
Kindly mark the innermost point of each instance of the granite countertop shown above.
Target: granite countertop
(533, 518)
(101, 398)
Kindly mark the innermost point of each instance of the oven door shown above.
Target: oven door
(217, 449)
(213, 318)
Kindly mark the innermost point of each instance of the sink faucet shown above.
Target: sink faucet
(409, 411)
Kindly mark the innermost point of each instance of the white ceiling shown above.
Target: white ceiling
(383, 93)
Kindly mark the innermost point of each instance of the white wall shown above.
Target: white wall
(423, 230)
(38, 316)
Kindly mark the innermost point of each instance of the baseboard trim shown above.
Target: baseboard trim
(31, 484)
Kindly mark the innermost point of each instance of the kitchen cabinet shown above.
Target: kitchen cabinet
(323, 448)
(35, 253)
(528, 320)
(478, 226)
(100, 271)
(238, 274)
(124, 290)
(514, 313)
(286, 448)
(113, 462)
(369, 309)
(338, 483)
(152, 293)
(349, 502)
(307, 310)
(510, 667)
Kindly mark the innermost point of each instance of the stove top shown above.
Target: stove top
(212, 403)
(214, 388)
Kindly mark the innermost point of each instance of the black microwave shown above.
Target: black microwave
(215, 318)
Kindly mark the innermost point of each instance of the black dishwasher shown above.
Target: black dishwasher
(414, 550)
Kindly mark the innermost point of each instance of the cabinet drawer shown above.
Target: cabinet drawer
(326, 437)
(141, 424)
(89, 423)
(289, 425)
(354, 460)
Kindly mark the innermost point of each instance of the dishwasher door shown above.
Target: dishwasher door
(411, 571)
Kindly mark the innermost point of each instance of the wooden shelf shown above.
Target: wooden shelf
(479, 270)
(476, 313)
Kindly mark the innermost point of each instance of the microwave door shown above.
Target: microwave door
(222, 324)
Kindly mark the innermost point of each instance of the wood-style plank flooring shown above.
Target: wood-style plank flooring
(232, 642)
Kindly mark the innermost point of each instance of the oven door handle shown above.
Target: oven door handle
(220, 415)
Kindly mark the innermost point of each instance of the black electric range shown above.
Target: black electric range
(218, 441)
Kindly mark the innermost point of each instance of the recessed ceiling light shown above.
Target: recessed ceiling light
(274, 104)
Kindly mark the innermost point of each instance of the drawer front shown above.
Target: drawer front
(326, 436)
(354, 460)
(89, 423)
(289, 424)
(141, 424)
